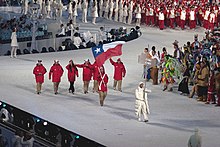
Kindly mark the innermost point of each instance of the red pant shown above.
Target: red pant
(151, 20)
(161, 24)
(192, 24)
(211, 26)
(182, 24)
(206, 24)
(172, 23)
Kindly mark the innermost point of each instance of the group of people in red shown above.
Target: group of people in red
(90, 71)
(180, 13)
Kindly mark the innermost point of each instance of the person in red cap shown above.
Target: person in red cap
(102, 85)
(39, 71)
(119, 73)
(56, 71)
(87, 74)
(72, 73)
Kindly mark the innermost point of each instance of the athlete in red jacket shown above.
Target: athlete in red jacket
(72, 73)
(119, 73)
(56, 71)
(87, 74)
(39, 71)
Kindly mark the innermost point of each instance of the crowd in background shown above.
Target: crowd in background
(197, 64)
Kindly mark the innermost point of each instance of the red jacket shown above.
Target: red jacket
(119, 70)
(95, 70)
(39, 71)
(56, 71)
(72, 73)
(87, 71)
(103, 80)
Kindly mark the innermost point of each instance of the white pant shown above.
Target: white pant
(14, 51)
(141, 108)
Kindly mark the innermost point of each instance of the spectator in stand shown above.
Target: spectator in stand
(56, 71)
(86, 75)
(72, 73)
(61, 31)
(27, 140)
(119, 73)
(39, 71)
(16, 141)
(77, 40)
(3, 141)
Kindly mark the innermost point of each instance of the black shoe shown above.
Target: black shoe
(56, 93)
(145, 120)
(38, 92)
(218, 105)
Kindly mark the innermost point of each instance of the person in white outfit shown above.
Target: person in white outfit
(120, 11)
(106, 7)
(116, 10)
(141, 103)
(111, 8)
(138, 15)
(125, 13)
(94, 12)
(70, 10)
(14, 44)
(48, 9)
(44, 9)
(59, 9)
(100, 8)
(75, 13)
(130, 11)
(84, 10)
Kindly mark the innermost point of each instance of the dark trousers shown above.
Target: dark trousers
(72, 87)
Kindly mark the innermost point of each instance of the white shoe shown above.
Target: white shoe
(139, 119)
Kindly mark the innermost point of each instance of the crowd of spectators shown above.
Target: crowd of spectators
(86, 39)
(30, 129)
(196, 63)
(23, 26)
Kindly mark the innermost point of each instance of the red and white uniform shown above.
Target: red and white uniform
(183, 18)
(172, 17)
(206, 17)
(161, 20)
(192, 19)
(212, 19)
(103, 80)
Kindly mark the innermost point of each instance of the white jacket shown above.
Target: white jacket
(141, 97)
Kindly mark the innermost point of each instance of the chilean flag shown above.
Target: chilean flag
(103, 52)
